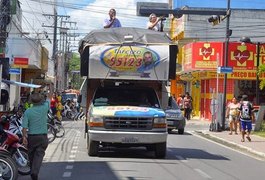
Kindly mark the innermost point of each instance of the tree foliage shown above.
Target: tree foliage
(262, 70)
(74, 71)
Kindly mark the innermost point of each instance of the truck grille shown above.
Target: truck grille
(137, 123)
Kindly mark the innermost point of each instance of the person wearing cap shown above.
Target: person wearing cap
(34, 132)
(112, 21)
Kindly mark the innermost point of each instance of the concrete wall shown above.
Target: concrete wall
(243, 22)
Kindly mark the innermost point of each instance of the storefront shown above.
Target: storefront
(200, 62)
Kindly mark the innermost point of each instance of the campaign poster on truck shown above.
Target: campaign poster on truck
(129, 62)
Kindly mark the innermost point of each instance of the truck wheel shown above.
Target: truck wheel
(160, 150)
(92, 147)
(181, 131)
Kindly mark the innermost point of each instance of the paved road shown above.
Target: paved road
(188, 157)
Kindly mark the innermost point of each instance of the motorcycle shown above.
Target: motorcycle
(15, 125)
(8, 167)
(68, 109)
(57, 125)
(11, 143)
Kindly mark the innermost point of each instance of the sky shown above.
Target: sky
(90, 14)
(248, 4)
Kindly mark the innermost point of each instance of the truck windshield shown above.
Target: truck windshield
(125, 97)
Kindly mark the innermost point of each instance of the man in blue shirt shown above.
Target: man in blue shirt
(112, 21)
(34, 131)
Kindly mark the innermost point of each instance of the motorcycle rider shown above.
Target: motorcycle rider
(34, 131)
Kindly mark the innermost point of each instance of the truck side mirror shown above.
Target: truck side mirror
(79, 98)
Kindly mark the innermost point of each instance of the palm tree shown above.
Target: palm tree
(262, 70)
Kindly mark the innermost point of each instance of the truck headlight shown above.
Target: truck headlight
(96, 121)
(159, 120)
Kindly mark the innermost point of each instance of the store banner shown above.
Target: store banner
(203, 56)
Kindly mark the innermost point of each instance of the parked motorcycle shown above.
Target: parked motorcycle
(68, 109)
(8, 167)
(11, 142)
(57, 124)
(15, 125)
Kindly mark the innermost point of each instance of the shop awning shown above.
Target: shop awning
(21, 84)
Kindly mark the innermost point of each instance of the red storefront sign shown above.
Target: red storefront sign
(203, 56)
(21, 62)
(242, 57)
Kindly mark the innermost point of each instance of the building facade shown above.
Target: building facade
(203, 51)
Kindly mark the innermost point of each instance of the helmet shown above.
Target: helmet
(4, 119)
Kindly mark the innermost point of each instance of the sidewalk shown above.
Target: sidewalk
(256, 146)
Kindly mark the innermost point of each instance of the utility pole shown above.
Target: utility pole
(227, 37)
(65, 47)
(55, 42)
(5, 18)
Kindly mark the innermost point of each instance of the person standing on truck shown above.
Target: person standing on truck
(154, 22)
(112, 21)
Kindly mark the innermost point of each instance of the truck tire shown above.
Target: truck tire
(180, 131)
(92, 147)
(160, 150)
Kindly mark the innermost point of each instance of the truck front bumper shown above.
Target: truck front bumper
(128, 137)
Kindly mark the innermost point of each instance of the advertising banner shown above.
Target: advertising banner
(242, 56)
(203, 56)
(129, 62)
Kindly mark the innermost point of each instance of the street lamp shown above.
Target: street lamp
(247, 40)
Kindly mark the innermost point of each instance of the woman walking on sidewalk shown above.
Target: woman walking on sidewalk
(232, 115)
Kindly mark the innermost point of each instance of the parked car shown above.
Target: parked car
(174, 116)
(71, 96)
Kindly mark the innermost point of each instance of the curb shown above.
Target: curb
(230, 144)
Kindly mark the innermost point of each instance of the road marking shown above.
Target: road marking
(67, 174)
(70, 160)
(181, 159)
(72, 156)
(73, 151)
(203, 174)
(74, 147)
(69, 167)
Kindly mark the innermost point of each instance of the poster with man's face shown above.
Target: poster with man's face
(129, 62)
